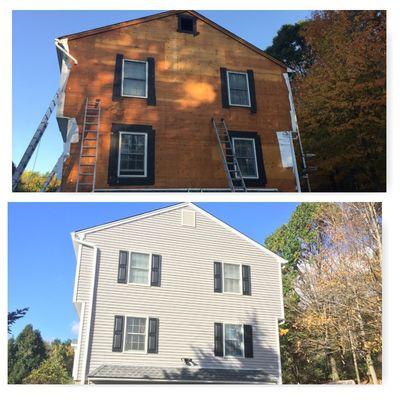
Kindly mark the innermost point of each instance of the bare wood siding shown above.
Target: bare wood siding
(188, 90)
(185, 303)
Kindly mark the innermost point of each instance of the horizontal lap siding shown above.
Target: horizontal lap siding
(185, 303)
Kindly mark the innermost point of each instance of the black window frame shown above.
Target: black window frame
(113, 178)
(261, 181)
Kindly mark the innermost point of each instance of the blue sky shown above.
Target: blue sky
(42, 261)
(36, 73)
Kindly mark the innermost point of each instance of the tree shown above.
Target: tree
(33, 182)
(290, 47)
(341, 100)
(28, 351)
(52, 370)
(13, 316)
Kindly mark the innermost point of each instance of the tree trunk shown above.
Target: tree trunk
(371, 368)
(353, 352)
(334, 371)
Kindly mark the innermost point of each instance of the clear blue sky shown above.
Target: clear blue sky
(36, 73)
(42, 261)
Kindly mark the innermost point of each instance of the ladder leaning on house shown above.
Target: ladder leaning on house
(231, 165)
(86, 178)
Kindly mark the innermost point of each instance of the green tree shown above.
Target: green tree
(33, 182)
(28, 351)
(13, 316)
(290, 47)
(51, 371)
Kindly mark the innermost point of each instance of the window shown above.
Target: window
(139, 269)
(186, 24)
(238, 89)
(134, 78)
(245, 151)
(132, 154)
(233, 342)
(135, 338)
(232, 278)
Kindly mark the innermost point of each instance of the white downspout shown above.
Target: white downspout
(90, 314)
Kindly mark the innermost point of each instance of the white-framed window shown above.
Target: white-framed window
(134, 78)
(132, 154)
(139, 268)
(232, 275)
(245, 150)
(136, 334)
(238, 89)
(233, 340)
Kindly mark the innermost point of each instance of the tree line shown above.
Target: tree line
(31, 360)
(332, 287)
(339, 84)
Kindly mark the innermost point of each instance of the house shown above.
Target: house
(138, 101)
(175, 295)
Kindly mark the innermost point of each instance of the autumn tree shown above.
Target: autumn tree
(33, 182)
(341, 101)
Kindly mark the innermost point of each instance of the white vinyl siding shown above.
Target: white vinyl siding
(185, 304)
(134, 78)
(132, 154)
(238, 89)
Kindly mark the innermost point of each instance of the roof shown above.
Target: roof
(81, 233)
(186, 374)
(165, 14)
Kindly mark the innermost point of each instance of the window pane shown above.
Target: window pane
(132, 155)
(239, 97)
(231, 278)
(233, 340)
(131, 143)
(134, 87)
(237, 81)
(135, 333)
(139, 268)
(245, 154)
(247, 167)
(244, 148)
(238, 89)
(135, 70)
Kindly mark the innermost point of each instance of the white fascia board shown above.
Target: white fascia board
(83, 233)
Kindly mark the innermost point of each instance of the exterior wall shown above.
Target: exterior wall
(188, 91)
(186, 303)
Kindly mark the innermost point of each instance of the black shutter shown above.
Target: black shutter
(224, 88)
(155, 270)
(151, 82)
(218, 277)
(218, 339)
(248, 341)
(113, 159)
(252, 90)
(152, 344)
(118, 338)
(123, 267)
(117, 77)
(246, 280)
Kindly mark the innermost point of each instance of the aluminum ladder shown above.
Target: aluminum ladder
(86, 179)
(231, 165)
(53, 172)
(35, 139)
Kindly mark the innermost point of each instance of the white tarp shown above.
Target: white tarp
(285, 147)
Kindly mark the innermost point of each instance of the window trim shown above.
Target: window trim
(122, 78)
(146, 339)
(240, 279)
(129, 269)
(229, 88)
(145, 134)
(223, 339)
(255, 156)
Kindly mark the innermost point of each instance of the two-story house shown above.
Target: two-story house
(173, 101)
(175, 295)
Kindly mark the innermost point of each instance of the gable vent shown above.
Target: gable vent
(188, 218)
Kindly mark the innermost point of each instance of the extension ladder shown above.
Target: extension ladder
(231, 165)
(86, 178)
(53, 172)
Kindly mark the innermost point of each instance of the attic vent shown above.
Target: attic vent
(188, 218)
(187, 24)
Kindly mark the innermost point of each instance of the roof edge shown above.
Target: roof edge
(165, 14)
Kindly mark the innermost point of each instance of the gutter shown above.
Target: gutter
(76, 240)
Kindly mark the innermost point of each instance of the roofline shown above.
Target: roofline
(79, 235)
(165, 14)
